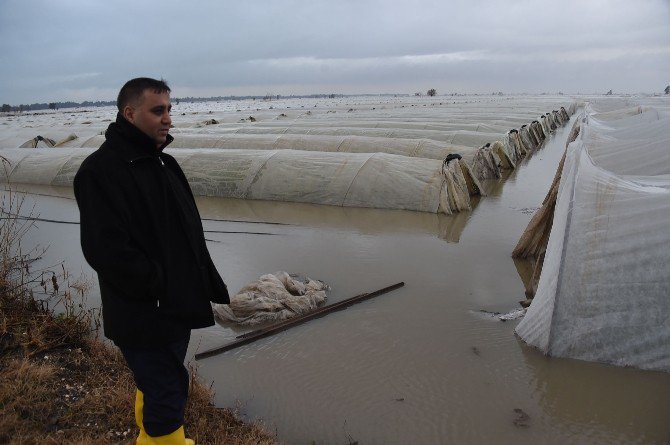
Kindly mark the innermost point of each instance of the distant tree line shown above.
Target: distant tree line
(54, 105)
(265, 97)
(6, 108)
(102, 103)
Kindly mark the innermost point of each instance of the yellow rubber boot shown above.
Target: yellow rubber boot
(176, 437)
(139, 407)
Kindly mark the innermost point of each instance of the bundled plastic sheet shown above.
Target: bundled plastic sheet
(38, 141)
(604, 292)
(272, 298)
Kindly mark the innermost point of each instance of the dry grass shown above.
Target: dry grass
(58, 383)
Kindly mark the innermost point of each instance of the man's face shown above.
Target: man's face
(151, 114)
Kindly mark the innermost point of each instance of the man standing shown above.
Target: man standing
(142, 233)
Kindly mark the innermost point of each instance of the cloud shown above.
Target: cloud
(595, 55)
(67, 78)
(363, 62)
(84, 94)
(317, 45)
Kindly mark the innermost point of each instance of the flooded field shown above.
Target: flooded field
(425, 364)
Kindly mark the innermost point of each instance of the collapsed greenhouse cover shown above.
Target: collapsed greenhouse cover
(604, 291)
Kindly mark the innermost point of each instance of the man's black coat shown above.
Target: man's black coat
(142, 233)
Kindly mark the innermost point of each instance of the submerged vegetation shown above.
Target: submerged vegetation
(58, 382)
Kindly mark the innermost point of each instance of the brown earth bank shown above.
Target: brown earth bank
(59, 384)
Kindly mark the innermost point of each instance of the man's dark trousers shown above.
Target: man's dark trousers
(160, 374)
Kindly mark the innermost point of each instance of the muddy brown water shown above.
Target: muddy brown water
(421, 364)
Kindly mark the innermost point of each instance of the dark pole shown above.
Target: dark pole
(252, 336)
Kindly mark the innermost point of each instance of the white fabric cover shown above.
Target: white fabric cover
(604, 292)
(387, 155)
(420, 148)
(272, 298)
(376, 180)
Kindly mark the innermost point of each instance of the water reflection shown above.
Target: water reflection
(245, 212)
(361, 220)
(494, 187)
(600, 399)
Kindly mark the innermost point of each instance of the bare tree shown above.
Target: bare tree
(432, 92)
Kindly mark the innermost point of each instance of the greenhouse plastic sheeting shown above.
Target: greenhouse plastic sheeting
(421, 148)
(376, 180)
(456, 137)
(479, 164)
(604, 292)
(401, 124)
(386, 154)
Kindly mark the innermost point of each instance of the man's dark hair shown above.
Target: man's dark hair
(133, 89)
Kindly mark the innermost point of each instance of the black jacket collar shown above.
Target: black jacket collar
(130, 142)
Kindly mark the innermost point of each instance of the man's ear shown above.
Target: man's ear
(129, 113)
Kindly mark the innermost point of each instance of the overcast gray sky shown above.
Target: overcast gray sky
(86, 49)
